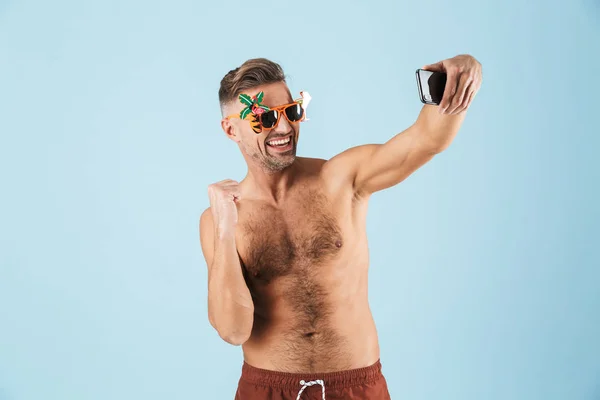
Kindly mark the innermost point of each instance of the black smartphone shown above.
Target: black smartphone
(431, 86)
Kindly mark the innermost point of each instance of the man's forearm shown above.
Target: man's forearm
(438, 129)
(230, 306)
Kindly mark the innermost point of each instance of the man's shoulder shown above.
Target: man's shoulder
(312, 164)
(323, 176)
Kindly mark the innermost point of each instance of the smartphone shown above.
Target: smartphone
(431, 86)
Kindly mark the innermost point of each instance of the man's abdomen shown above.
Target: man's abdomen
(343, 339)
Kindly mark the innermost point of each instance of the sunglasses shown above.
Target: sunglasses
(268, 120)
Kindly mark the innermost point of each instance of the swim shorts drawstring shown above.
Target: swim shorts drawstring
(311, 383)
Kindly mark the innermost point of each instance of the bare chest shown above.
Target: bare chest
(275, 243)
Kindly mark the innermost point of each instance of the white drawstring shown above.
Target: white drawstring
(311, 383)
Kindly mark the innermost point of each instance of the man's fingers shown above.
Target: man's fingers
(471, 93)
(233, 189)
(475, 88)
(228, 182)
(227, 188)
(232, 193)
(449, 91)
(463, 78)
(437, 67)
(468, 98)
(229, 195)
(471, 96)
(462, 96)
(461, 93)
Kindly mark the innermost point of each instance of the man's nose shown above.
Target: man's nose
(283, 126)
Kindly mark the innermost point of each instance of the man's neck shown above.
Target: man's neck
(273, 186)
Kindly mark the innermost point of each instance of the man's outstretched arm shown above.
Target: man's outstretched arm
(375, 167)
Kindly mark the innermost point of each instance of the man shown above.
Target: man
(286, 247)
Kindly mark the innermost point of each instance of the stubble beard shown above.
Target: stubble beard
(272, 163)
(279, 162)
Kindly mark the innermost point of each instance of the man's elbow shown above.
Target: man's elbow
(438, 144)
(441, 146)
(235, 337)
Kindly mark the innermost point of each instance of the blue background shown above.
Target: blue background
(485, 279)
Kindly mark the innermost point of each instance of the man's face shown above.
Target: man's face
(274, 149)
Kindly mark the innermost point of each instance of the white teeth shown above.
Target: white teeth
(279, 142)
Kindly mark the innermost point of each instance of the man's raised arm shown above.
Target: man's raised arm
(230, 306)
(375, 167)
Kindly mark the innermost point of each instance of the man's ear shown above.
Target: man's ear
(229, 129)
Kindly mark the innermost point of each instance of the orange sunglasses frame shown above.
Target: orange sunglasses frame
(281, 112)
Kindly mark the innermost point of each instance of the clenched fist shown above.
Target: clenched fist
(223, 196)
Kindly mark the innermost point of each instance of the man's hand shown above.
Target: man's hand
(223, 196)
(463, 82)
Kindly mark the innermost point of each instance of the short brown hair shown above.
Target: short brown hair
(252, 73)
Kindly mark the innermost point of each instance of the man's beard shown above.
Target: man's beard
(277, 162)
(273, 162)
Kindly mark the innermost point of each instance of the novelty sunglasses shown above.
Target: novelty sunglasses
(262, 117)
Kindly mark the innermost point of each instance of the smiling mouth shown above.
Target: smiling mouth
(280, 142)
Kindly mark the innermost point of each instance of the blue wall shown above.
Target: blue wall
(485, 279)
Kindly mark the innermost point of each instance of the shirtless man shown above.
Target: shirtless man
(286, 248)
